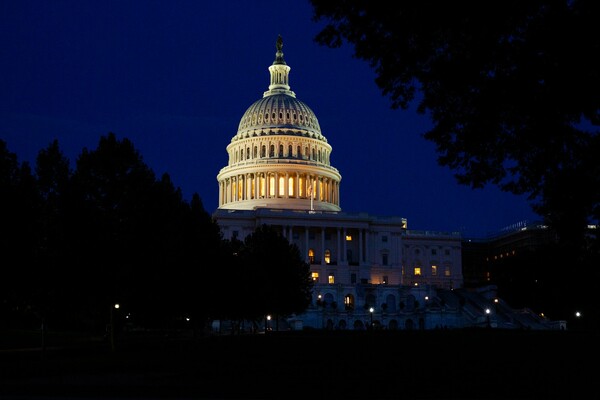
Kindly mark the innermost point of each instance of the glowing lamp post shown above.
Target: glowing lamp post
(112, 325)
(371, 312)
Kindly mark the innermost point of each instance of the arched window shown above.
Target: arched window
(311, 256)
(272, 151)
(299, 152)
(327, 256)
(280, 155)
(290, 151)
(349, 302)
(263, 151)
(281, 186)
(291, 186)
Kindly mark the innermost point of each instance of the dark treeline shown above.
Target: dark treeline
(76, 241)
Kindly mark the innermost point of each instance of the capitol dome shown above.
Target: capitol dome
(279, 158)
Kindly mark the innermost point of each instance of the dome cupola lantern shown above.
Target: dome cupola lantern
(278, 158)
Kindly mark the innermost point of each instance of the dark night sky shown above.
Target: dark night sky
(176, 76)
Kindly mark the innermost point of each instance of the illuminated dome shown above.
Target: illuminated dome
(278, 157)
(279, 114)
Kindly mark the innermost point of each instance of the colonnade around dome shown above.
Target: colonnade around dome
(278, 185)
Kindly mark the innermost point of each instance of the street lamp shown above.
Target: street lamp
(371, 311)
(267, 318)
(112, 325)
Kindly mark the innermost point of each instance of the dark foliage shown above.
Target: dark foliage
(511, 88)
(108, 232)
(266, 275)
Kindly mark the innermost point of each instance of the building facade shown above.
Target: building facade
(368, 271)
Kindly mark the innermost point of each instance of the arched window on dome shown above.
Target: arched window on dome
(290, 151)
(319, 155)
(263, 151)
(291, 186)
(271, 151)
(242, 155)
(255, 152)
(248, 152)
(280, 155)
(299, 152)
(314, 154)
(271, 185)
(306, 153)
(301, 181)
(281, 186)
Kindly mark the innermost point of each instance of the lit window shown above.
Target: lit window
(417, 271)
(349, 301)
(434, 270)
(311, 256)
(348, 238)
(315, 276)
(327, 256)
(331, 279)
(447, 271)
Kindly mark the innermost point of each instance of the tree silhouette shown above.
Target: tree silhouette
(266, 275)
(511, 88)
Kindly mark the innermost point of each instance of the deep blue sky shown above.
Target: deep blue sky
(176, 76)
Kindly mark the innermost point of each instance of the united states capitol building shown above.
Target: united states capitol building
(368, 271)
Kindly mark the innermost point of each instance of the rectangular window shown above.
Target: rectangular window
(384, 259)
(447, 271)
(311, 235)
(348, 238)
(417, 271)
(433, 252)
(331, 279)
(447, 252)
(434, 270)
(384, 239)
(315, 276)
(353, 279)
(234, 234)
